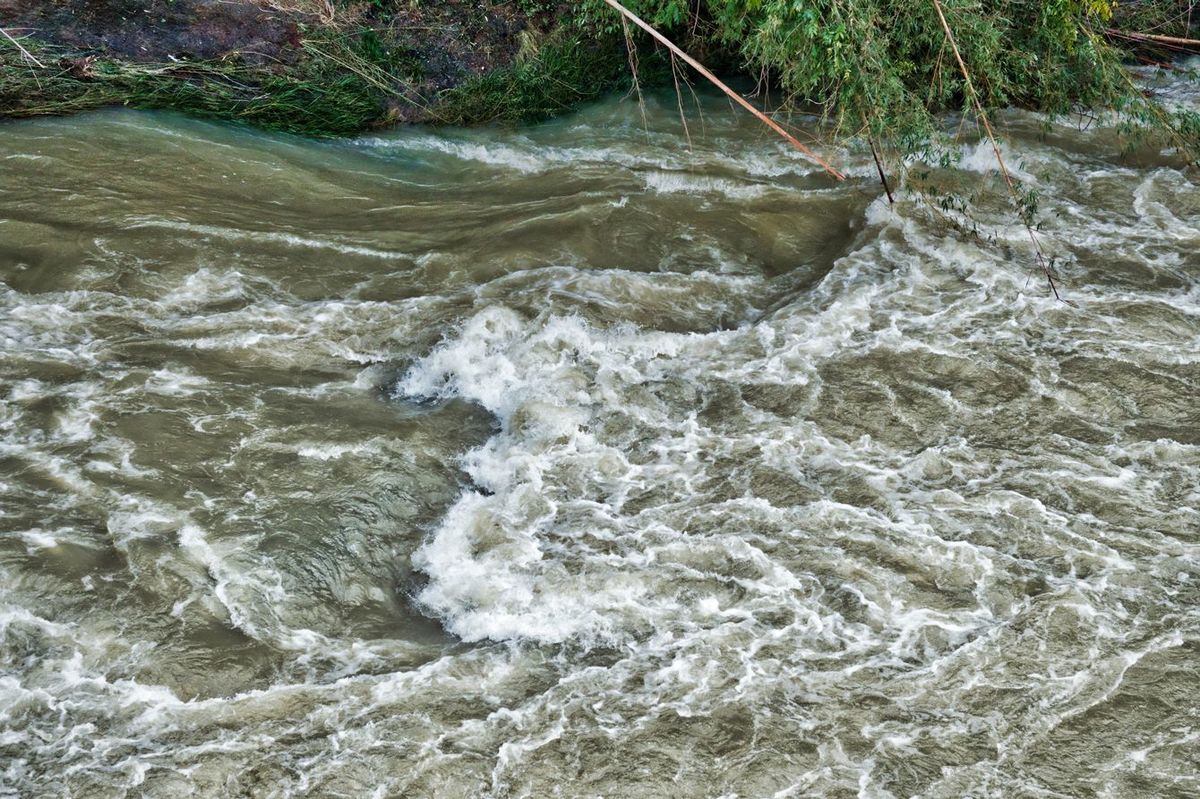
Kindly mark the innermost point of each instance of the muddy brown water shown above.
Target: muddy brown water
(567, 462)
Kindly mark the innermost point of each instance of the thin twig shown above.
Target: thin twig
(766, 120)
(682, 75)
(987, 126)
(679, 101)
(631, 51)
(20, 47)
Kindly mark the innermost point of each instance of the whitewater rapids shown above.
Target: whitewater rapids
(570, 462)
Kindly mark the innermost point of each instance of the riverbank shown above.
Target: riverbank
(331, 67)
(306, 66)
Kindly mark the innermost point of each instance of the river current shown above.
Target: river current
(581, 461)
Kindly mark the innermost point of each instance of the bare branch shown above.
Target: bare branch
(987, 126)
(766, 120)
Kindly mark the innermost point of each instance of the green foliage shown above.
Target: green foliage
(319, 98)
(880, 67)
(1166, 17)
(884, 66)
(564, 72)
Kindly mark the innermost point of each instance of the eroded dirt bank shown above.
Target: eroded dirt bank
(312, 66)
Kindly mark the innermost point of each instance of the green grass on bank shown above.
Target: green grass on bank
(317, 98)
(345, 81)
(565, 71)
(875, 67)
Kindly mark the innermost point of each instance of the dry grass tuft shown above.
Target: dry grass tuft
(323, 10)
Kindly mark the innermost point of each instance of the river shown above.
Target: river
(582, 460)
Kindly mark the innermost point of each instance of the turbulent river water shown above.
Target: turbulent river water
(568, 461)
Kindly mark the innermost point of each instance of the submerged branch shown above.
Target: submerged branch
(987, 127)
(879, 167)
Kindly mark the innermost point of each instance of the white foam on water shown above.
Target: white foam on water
(207, 286)
(551, 546)
(981, 157)
(553, 489)
(287, 239)
(327, 452)
(175, 383)
(523, 155)
(683, 183)
(492, 154)
(38, 539)
(920, 530)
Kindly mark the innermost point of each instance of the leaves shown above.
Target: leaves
(883, 60)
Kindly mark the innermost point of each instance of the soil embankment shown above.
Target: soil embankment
(311, 66)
